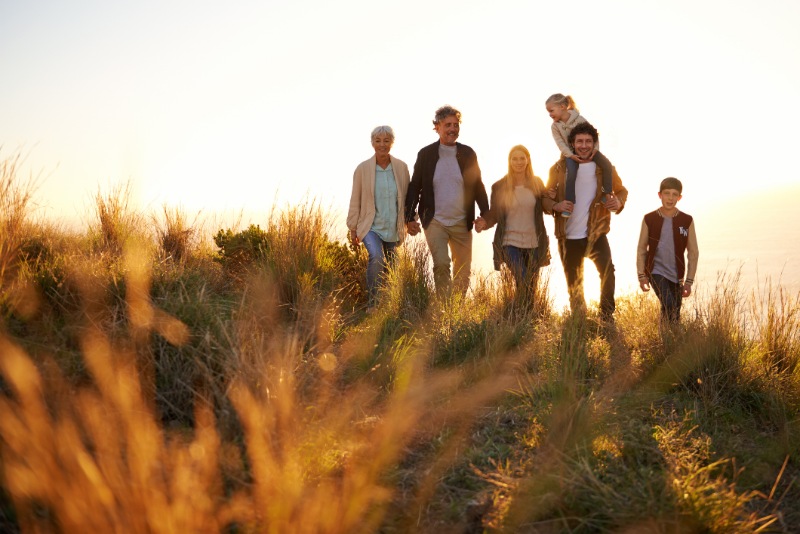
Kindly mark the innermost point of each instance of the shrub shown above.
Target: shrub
(305, 265)
(239, 251)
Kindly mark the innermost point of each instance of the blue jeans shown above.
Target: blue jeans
(380, 252)
(523, 263)
(670, 294)
(572, 175)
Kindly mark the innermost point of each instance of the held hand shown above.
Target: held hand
(644, 285)
(354, 238)
(564, 205)
(480, 224)
(687, 290)
(613, 203)
(551, 193)
(413, 228)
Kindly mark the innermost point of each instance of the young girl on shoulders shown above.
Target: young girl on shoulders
(565, 115)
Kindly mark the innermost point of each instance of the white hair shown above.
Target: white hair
(382, 130)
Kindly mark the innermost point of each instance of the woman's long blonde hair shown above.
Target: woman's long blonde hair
(536, 185)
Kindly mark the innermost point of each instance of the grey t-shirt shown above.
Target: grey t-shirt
(665, 253)
(448, 188)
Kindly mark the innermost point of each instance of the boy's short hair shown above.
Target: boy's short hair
(671, 183)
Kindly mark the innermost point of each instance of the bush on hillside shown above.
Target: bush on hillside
(298, 256)
(240, 250)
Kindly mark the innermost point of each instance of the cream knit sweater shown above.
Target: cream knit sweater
(561, 132)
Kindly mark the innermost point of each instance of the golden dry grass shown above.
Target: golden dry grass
(144, 395)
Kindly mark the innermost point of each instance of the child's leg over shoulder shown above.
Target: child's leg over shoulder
(572, 168)
(608, 173)
(572, 175)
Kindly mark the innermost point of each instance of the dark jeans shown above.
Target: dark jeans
(380, 252)
(523, 264)
(670, 294)
(572, 252)
(572, 175)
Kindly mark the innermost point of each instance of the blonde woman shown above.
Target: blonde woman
(520, 240)
(377, 201)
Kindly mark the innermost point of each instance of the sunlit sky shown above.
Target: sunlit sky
(229, 106)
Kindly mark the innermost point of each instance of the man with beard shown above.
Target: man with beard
(583, 235)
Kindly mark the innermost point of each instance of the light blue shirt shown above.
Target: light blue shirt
(385, 222)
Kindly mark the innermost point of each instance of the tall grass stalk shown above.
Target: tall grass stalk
(15, 202)
(115, 219)
(176, 234)
(777, 316)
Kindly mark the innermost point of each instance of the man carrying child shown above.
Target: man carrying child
(583, 235)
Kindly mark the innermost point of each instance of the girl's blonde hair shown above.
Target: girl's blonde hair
(534, 184)
(560, 99)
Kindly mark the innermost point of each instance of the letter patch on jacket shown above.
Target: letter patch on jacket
(684, 232)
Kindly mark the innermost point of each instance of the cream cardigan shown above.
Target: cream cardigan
(362, 199)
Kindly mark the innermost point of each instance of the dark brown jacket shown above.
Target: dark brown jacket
(420, 191)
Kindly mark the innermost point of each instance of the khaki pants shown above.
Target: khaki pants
(459, 239)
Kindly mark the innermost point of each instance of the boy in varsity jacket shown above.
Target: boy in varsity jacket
(667, 254)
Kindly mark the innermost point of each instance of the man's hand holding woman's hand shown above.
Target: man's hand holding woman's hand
(687, 290)
(413, 227)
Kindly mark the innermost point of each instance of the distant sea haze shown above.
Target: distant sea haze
(763, 241)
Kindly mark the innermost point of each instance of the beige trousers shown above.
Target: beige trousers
(459, 241)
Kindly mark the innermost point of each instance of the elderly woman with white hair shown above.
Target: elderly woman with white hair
(376, 217)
